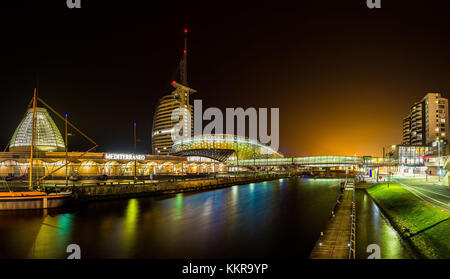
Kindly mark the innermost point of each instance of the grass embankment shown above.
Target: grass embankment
(409, 214)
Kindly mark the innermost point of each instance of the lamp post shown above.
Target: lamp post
(237, 155)
(134, 129)
(439, 159)
(214, 156)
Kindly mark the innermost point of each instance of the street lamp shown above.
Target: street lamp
(134, 138)
(439, 159)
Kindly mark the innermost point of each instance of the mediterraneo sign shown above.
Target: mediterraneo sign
(112, 156)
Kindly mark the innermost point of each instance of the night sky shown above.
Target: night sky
(342, 75)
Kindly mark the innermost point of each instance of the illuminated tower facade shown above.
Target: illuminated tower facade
(418, 124)
(427, 121)
(163, 125)
(406, 135)
(436, 119)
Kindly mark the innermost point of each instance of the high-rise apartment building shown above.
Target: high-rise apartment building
(417, 116)
(436, 121)
(427, 121)
(406, 135)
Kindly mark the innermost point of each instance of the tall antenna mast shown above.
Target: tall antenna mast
(183, 62)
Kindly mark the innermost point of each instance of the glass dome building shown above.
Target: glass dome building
(223, 147)
(46, 135)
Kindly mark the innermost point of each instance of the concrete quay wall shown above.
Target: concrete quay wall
(102, 192)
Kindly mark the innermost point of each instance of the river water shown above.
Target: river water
(274, 219)
(372, 227)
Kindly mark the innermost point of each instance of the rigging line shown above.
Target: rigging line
(70, 124)
(68, 162)
(78, 130)
(26, 111)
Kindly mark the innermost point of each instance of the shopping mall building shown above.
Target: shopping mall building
(204, 154)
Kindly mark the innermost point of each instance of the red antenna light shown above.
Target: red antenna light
(185, 30)
(184, 51)
(173, 82)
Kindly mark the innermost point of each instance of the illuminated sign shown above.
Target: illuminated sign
(124, 156)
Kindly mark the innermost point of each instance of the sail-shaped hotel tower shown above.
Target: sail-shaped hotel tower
(179, 98)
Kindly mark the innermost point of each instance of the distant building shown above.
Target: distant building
(409, 155)
(427, 121)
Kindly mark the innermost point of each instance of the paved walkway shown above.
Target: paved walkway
(335, 242)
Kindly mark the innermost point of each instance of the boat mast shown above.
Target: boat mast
(32, 141)
(67, 181)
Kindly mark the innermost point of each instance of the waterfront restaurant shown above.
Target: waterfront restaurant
(91, 165)
(50, 157)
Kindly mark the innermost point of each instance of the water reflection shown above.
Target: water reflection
(178, 206)
(252, 187)
(373, 228)
(275, 219)
(52, 236)
(130, 226)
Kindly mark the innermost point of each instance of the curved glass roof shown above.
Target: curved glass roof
(46, 137)
(243, 147)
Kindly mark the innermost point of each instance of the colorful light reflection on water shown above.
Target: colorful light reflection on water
(274, 219)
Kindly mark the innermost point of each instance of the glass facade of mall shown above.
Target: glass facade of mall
(240, 148)
(91, 165)
(411, 155)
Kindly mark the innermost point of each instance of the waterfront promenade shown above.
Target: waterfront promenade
(336, 241)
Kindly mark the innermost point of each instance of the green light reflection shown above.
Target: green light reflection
(178, 206)
(130, 224)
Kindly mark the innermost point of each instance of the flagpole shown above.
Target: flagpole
(30, 186)
(67, 180)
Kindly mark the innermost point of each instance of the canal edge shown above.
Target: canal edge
(417, 252)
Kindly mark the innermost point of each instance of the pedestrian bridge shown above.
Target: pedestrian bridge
(317, 161)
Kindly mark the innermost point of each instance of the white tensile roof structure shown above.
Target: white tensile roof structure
(47, 137)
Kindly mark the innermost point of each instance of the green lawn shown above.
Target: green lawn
(409, 212)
